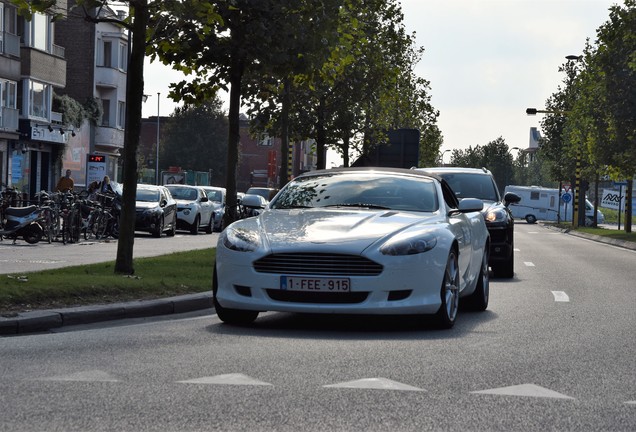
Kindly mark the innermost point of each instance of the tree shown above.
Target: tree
(494, 156)
(136, 24)
(195, 138)
(219, 42)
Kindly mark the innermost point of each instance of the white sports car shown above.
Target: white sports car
(356, 241)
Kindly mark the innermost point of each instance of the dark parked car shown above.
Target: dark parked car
(480, 183)
(156, 210)
(267, 193)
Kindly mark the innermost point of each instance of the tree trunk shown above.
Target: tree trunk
(321, 136)
(345, 151)
(234, 134)
(134, 94)
(628, 204)
(285, 167)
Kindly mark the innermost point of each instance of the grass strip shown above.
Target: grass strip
(162, 276)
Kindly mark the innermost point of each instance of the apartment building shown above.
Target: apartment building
(32, 66)
(97, 55)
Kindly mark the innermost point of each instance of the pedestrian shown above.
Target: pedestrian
(65, 183)
(104, 186)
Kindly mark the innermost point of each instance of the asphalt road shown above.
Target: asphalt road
(554, 351)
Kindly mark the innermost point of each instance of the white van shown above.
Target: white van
(539, 203)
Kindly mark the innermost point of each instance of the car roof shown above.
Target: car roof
(385, 170)
(449, 170)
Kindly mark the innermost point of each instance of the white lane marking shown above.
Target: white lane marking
(528, 264)
(375, 383)
(517, 250)
(533, 232)
(630, 402)
(227, 379)
(560, 296)
(87, 376)
(525, 390)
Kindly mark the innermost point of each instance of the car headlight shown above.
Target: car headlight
(407, 244)
(496, 215)
(240, 240)
(186, 211)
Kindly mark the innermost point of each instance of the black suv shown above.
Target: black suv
(479, 183)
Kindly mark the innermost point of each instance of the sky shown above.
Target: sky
(486, 61)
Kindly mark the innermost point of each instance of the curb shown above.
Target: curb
(45, 320)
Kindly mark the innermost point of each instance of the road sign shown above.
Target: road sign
(567, 187)
(566, 197)
(620, 183)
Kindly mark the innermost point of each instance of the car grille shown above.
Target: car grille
(318, 264)
(317, 297)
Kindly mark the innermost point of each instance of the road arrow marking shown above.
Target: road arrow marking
(86, 376)
(528, 264)
(375, 383)
(525, 390)
(560, 296)
(227, 379)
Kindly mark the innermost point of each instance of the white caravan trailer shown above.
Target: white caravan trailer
(539, 203)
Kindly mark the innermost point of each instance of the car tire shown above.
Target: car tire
(479, 299)
(157, 232)
(447, 314)
(173, 229)
(194, 229)
(210, 226)
(531, 219)
(230, 316)
(506, 269)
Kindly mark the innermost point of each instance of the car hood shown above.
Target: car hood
(181, 202)
(340, 229)
(144, 205)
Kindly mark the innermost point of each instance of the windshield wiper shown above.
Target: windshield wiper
(370, 206)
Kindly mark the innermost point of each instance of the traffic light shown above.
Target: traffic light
(531, 111)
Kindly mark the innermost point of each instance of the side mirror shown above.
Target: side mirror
(468, 205)
(163, 203)
(252, 201)
(204, 198)
(511, 198)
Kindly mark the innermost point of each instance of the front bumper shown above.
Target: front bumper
(399, 289)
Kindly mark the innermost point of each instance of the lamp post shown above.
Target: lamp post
(157, 159)
(441, 157)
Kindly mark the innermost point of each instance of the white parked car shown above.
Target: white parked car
(216, 195)
(356, 241)
(194, 210)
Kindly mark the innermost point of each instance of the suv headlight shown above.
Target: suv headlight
(496, 215)
(240, 240)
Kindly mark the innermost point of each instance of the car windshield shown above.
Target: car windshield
(147, 195)
(184, 193)
(466, 185)
(214, 195)
(365, 190)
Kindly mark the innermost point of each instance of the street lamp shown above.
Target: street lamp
(441, 157)
(157, 160)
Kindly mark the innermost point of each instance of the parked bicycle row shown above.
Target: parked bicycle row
(94, 213)
(60, 216)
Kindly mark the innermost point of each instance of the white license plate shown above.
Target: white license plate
(300, 283)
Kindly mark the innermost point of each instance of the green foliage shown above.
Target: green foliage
(195, 138)
(72, 111)
(166, 275)
(93, 109)
(495, 156)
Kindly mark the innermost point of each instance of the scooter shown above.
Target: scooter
(22, 222)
